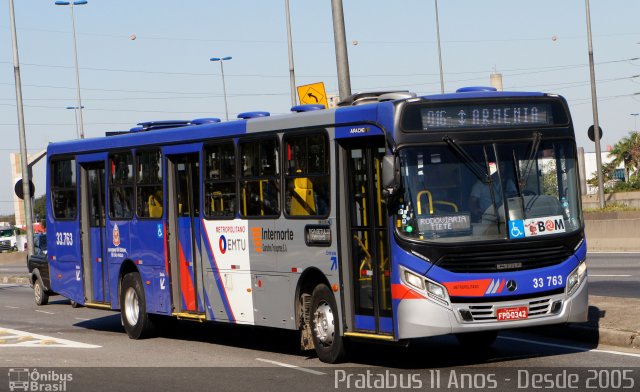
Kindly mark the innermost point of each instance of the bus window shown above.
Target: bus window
(63, 188)
(219, 180)
(260, 182)
(149, 194)
(307, 175)
(121, 186)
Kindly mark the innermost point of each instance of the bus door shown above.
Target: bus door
(92, 190)
(184, 230)
(365, 243)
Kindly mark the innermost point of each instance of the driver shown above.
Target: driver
(480, 198)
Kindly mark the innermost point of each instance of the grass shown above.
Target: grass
(613, 207)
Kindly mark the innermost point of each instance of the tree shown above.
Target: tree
(40, 207)
(627, 151)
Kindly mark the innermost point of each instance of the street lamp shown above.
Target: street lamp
(75, 116)
(439, 49)
(224, 87)
(71, 4)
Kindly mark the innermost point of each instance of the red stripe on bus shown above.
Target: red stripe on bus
(400, 291)
(468, 288)
(186, 285)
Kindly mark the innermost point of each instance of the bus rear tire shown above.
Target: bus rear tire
(39, 293)
(481, 339)
(133, 307)
(325, 326)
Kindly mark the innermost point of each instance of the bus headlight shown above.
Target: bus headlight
(576, 277)
(414, 280)
(426, 287)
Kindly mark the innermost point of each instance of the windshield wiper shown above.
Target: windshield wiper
(535, 145)
(476, 169)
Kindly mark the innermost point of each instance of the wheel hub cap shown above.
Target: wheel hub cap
(324, 324)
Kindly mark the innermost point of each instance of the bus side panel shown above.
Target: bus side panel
(118, 249)
(227, 278)
(65, 259)
(147, 245)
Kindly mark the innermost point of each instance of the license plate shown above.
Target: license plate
(510, 314)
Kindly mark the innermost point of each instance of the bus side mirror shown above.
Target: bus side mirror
(390, 175)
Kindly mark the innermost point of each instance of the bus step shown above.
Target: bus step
(361, 335)
(190, 316)
(97, 305)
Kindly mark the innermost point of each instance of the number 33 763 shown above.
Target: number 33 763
(65, 239)
(547, 281)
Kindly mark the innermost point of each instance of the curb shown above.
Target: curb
(14, 279)
(591, 335)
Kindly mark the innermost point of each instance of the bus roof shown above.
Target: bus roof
(177, 131)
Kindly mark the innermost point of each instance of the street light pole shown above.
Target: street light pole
(224, 87)
(342, 58)
(75, 117)
(594, 105)
(24, 162)
(292, 74)
(75, 56)
(439, 49)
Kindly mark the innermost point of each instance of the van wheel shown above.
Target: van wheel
(325, 325)
(133, 307)
(482, 339)
(39, 293)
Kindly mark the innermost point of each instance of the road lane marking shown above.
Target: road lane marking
(577, 348)
(317, 373)
(609, 276)
(81, 318)
(11, 307)
(15, 338)
(44, 311)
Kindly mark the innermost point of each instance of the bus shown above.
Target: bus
(388, 218)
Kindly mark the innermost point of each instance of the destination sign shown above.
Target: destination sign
(486, 116)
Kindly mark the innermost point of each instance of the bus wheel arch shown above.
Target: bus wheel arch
(318, 316)
(133, 308)
(127, 266)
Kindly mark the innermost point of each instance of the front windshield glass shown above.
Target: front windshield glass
(6, 233)
(463, 192)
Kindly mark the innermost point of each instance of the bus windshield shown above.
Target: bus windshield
(488, 191)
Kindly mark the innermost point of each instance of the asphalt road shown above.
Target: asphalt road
(614, 274)
(91, 345)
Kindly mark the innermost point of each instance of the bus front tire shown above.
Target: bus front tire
(133, 307)
(325, 326)
(39, 293)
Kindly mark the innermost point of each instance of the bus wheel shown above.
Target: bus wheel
(482, 339)
(133, 307)
(325, 325)
(40, 295)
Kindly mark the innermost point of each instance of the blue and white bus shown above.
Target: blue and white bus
(388, 218)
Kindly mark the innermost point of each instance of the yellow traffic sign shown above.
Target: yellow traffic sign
(313, 94)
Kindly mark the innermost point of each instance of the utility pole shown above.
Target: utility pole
(439, 50)
(594, 105)
(292, 74)
(342, 58)
(26, 179)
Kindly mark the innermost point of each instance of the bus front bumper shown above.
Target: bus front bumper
(423, 317)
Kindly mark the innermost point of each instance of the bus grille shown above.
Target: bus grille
(537, 307)
(504, 260)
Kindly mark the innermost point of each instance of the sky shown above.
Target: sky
(165, 72)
